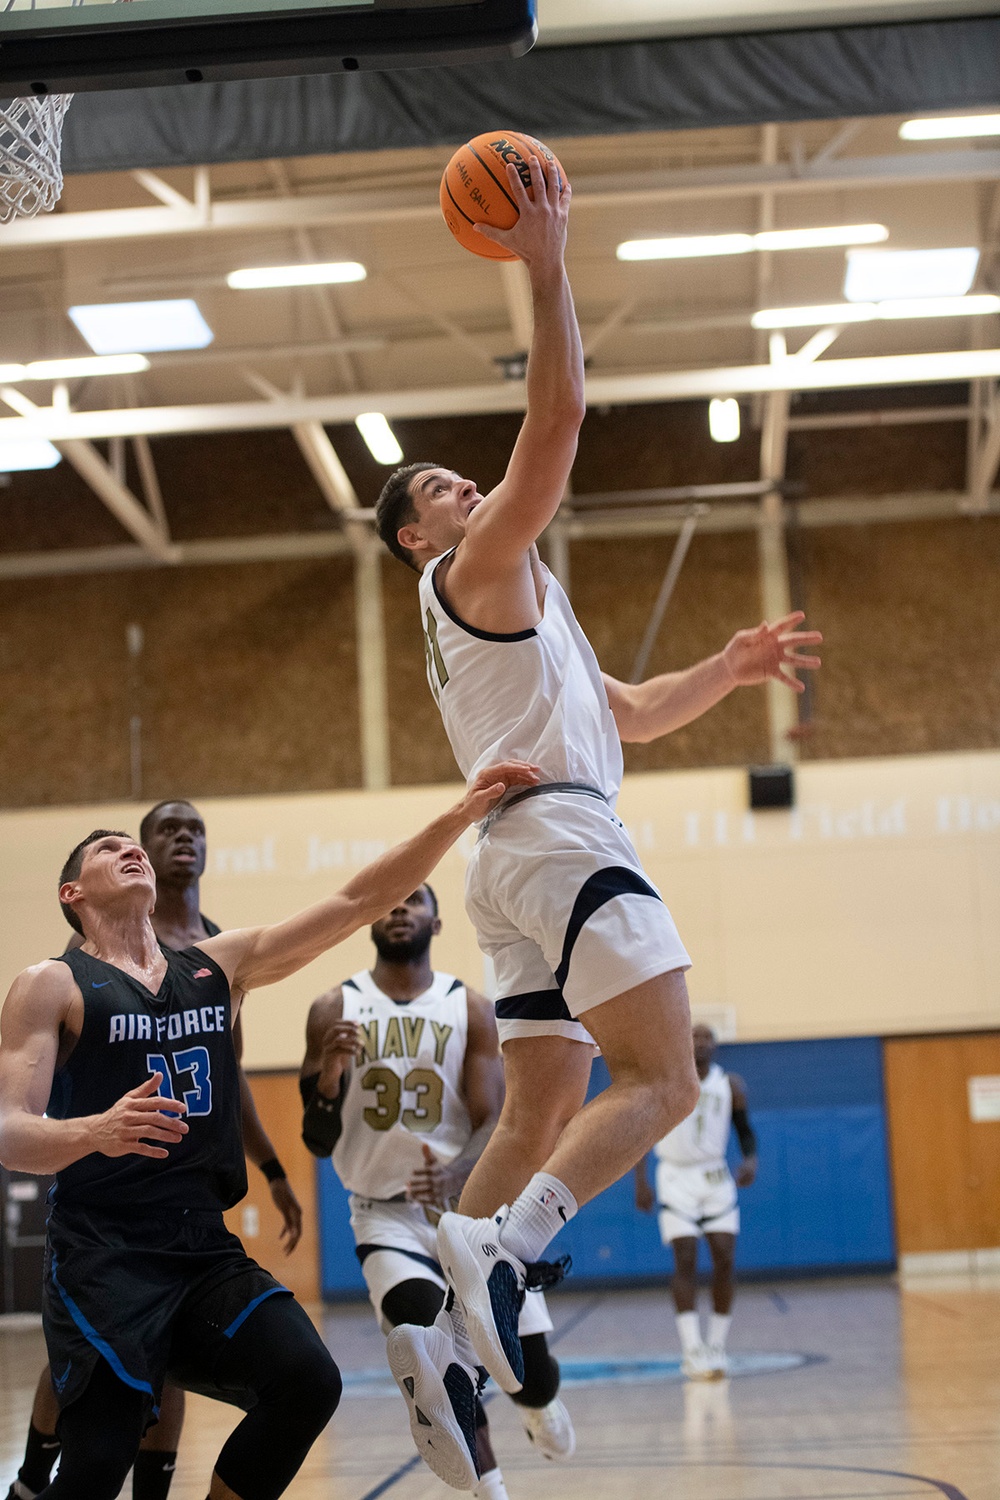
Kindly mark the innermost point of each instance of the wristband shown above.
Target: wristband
(273, 1170)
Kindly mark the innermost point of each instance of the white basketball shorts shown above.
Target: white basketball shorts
(696, 1200)
(562, 906)
(398, 1242)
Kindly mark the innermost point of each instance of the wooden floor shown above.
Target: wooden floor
(846, 1390)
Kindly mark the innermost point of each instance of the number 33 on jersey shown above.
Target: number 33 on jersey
(405, 1090)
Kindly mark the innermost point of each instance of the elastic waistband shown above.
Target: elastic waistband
(367, 1198)
(581, 788)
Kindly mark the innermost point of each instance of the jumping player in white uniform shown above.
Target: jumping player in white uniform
(583, 946)
(402, 1082)
(696, 1195)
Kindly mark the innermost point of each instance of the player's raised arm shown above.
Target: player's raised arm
(513, 515)
(35, 1011)
(252, 957)
(645, 710)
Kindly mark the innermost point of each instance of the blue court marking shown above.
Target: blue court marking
(93, 1337)
(241, 1319)
(939, 1486)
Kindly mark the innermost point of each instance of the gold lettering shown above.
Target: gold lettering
(441, 1035)
(413, 1030)
(393, 1044)
(369, 1046)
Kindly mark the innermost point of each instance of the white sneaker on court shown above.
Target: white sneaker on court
(440, 1394)
(491, 1487)
(695, 1364)
(550, 1428)
(488, 1282)
(718, 1362)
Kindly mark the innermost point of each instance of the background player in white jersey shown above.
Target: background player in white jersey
(402, 1083)
(555, 889)
(696, 1194)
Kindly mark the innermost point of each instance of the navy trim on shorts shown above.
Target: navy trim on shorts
(602, 887)
(537, 1005)
(480, 635)
(363, 1252)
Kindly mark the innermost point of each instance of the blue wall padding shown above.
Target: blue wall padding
(822, 1195)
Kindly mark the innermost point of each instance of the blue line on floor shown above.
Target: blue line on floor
(779, 1302)
(400, 1473)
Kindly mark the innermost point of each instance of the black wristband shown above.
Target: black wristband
(273, 1170)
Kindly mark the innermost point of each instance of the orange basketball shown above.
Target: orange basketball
(475, 190)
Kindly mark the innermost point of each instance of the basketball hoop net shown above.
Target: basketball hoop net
(30, 143)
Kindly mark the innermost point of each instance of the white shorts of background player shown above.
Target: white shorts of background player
(696, 1200)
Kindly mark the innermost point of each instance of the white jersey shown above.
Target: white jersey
(703, 1137)
(406, 1090)
(535, 695)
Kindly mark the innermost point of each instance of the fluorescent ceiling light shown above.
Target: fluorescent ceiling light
(724, 419)
(122, 327)
(379, 436)
(949, 127)
(868, 312)
(881, 275)
(319, 275)
(75, 369)
(690, 246)
(27, 453)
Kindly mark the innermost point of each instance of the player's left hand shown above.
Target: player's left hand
(433, 1183)
(290, 1210)
(489, 786)
(746, 1171)
(754, 656)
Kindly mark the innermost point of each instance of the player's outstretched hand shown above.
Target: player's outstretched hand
(491, 783)
(754, 656)
(140, 1116)
(290, 1210)
(539, 236)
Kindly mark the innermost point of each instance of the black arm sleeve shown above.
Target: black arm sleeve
(321, 1118)
(744, 1132)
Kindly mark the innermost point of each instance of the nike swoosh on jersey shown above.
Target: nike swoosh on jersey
(102, 983)
(202, 974)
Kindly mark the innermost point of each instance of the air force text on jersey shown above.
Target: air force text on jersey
(130, 1027)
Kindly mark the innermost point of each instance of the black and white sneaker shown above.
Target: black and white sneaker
(440, 1392)
(488, 1282)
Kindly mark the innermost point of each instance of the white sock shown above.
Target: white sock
(537, 1216)
(718, 1330)
(22, 1492)
(451, 1321)
(689, 1330)
(491, 1487)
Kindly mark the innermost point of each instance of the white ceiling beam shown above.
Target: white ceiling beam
(517, 291)
(157, 188)
(598, 191)
(102, 478)
(655, 521)
(609, 390)
(325, 466)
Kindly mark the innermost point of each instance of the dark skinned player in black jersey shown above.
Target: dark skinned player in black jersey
(173, 835)
(142, 1277)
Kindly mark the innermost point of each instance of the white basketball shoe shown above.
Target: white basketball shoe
(440, 1392)
(696, 1365)
(718, 1362)
(488, 1282)
(550, 1428)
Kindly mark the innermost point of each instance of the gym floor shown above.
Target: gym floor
(842, 1390)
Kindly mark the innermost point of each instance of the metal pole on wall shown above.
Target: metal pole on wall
(775, 586)
(135, 640)
(369, 625)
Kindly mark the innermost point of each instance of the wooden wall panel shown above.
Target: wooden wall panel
(911, 617)
(280, 1110)
(945, 1166)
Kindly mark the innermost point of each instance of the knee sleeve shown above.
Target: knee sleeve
(541, 1373)
(417, 1301)
(100, 1434)
(284, 1364)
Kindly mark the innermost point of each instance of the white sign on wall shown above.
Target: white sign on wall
(984, 1098)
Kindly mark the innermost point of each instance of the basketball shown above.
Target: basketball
(474, 188)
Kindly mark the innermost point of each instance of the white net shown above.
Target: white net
(30, 144)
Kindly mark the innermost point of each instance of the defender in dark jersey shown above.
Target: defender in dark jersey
(142, 1276)
(173, 835)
